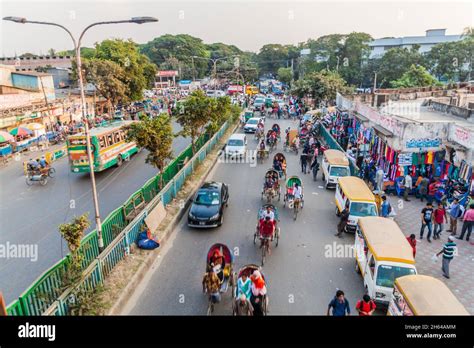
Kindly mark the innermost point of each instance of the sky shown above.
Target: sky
(248, 24)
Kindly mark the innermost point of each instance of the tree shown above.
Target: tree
(416, 76)
(285, 75)
(222, 112)
(321, 86)
(395, 62)
(354, 52)
(156, 136)
(194, 114)
(51, 52)
(271, 57)
(139, 71)
(108, 78)
(182, 48)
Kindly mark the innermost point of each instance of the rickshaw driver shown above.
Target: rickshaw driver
(298, 193)
(267, 229)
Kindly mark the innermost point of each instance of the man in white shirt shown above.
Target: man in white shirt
(268, 212)
(408, 187)
(298, 192)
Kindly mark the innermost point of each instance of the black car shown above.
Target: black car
(207, 209)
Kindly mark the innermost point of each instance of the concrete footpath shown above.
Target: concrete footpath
(461, 280)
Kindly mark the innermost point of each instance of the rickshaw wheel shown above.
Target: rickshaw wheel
(255, 238)
(357, 269)
(43, 181)
(51, 172)
(29, 182)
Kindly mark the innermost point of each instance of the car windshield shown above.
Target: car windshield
(363, 209)
(252, 122)
(339, 171)
(387, 274)
(206, 197)
(235, 142)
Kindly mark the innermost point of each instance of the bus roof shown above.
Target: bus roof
(107, 128)
(385, 239)
(429, 296)
(356, 189)
(336, 157)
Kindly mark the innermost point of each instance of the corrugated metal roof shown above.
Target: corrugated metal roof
(411, 40)
(31, 73)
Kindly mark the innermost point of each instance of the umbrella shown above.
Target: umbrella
(20, 131)
(33, 126)
(5, 136)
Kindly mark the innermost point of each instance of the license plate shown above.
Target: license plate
(202, 223)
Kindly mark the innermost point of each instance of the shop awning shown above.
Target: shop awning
(361, 118)
(383, 131)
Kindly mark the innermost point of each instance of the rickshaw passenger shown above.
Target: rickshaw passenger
(259, 290)
(218, 264)
(268, 212)
(244, 286)
(262, 145)
(277, 165)
(269, 182)
(42, 162)
(32, 165)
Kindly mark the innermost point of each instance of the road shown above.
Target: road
(31, 214)
(301, 278)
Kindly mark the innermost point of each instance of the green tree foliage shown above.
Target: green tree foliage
(271, 57)
(285, 75)
(108, 78)
(416, 76)
(352, 55)
(221, 113)
(178, 50)
(156, 136)
(321, 86)
(194, 114)
(451, 60)
(395, 62)
(140, 72)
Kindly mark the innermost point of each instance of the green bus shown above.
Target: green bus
(108, 144)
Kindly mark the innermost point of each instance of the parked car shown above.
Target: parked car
(207, 208)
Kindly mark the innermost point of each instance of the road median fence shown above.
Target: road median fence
(48, 295)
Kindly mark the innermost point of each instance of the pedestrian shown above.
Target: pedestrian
(408, 183)
(341, 226)
(386, 208)
(424, 187)
(439, 218)
(412, 241)
(468, 223)
(366, 306)
(426, 221)
(448, 255)
(454, 213)
(315, 167)
(304, 161)
(379, 179)
(339, 304)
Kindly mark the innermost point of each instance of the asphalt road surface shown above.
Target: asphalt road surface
(31, 214)
(301, 276)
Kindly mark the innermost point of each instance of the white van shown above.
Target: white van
(236, 146)
(334, 165)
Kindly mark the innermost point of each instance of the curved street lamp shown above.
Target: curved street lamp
(77, 50)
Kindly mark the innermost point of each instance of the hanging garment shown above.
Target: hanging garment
(429, 157)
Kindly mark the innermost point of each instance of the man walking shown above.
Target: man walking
(412, 241)
(386, 208)
(315, 167)
(439, 219)
(408, 187)
(304, 161)
(426, 221)
(339, 305)
(454, 213)
(341, 226)
(448, 255)
(468, 223)
(366, 306)
(424, 188)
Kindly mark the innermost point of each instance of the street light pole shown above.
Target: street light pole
(77, 49)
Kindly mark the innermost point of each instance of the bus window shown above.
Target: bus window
(102, 142)
(110, 140)
(117, 137)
